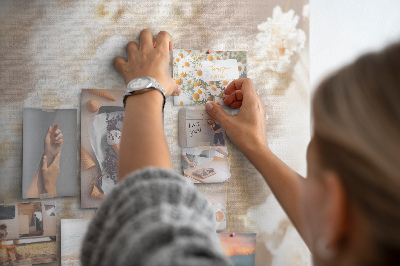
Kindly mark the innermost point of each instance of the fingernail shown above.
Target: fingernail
(44, 157)
(209, 106)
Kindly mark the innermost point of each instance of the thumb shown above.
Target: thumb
(44, 163)
(218, 113)
(56, 159)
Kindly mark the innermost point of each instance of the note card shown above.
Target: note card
(204, 76)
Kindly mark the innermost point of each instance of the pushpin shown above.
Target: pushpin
(209, 51)
(232, 234)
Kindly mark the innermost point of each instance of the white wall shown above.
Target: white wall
(340, 30)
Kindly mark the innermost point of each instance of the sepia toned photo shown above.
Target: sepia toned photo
(28, 233)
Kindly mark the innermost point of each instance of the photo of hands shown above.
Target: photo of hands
(49, 159)
(206, 165)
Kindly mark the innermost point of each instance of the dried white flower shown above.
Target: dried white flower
(279, 40)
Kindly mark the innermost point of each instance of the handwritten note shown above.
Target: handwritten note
(194, 128)
(219, 70)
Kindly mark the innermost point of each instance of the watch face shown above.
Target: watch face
(140, 83)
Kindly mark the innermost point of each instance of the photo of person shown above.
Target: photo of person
(216, 129)
(206, 165)
(28, 233)
(49, 153)
(9, 250)
(197, 128)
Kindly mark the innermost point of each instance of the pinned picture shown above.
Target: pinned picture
(198, 128)
(102, 114)
(49, 153)
(28, 233)
(72, 234)
(204, 76)
(239, 247)
(206, 165)
(218, 201)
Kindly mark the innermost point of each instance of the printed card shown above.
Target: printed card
(72, 234)
(28, 233)
(218, 201)
(206, 165)
(49, 153)
(102, 115)
(204, 76)
(240, 247)
(197, 128)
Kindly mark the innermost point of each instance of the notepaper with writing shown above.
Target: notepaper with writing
(204, 76)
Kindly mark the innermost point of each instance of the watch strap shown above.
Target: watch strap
(154, 86)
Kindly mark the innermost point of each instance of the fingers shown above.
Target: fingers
(234, 98)
(245, 85)
(48, 132)
(119, 63)
(164, 41)
(59, 136)
(146, 40)
(54, 129)
(218, 113)
(56, 159)
(60, 142)
(44, 163)
(177, 92)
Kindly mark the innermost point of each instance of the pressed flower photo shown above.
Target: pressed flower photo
(203, 75)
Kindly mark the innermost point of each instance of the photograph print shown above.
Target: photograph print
(198, 128)
(28, 233)
(206, 164)
(49, 153)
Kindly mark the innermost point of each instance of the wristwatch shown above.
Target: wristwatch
(142, 85)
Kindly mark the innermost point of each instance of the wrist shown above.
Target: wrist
(149, 99)
(50, 188)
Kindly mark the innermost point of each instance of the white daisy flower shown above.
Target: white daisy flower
(279, 40)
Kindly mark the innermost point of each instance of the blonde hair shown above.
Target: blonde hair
(356, 114)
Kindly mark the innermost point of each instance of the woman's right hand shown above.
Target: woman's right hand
(53, 142)
(247, 128)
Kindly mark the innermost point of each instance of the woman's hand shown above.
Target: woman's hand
(150, 59)
(50, 175)
(246, 129)
(53, 142)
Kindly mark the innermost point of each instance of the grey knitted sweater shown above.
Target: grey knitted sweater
(154, 216)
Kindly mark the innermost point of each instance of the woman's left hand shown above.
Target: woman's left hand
(150, 59)
(50, 174)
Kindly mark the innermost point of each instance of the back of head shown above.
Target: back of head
(357, 133)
